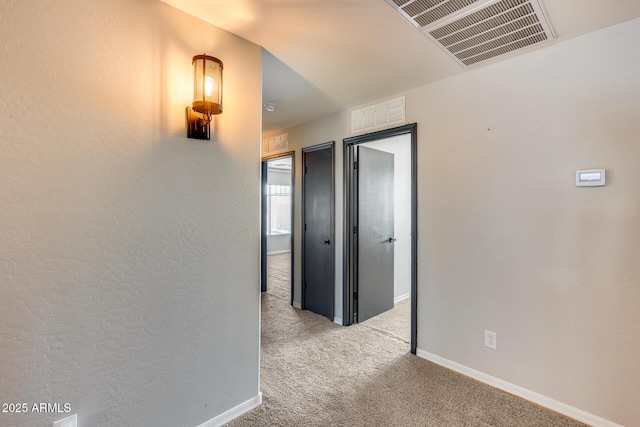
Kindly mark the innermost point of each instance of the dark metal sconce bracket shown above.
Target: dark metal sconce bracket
(198, 125)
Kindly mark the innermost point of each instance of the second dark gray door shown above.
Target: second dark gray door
(375, 205)
(318, 235)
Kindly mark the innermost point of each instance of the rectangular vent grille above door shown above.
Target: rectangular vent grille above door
(474, 32)
(376, 116)
(277, 143)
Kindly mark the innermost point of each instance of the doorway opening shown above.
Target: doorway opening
(277, 225)
(380, 263)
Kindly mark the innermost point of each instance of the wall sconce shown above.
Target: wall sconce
(207, 96)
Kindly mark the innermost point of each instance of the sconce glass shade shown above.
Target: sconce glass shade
(207, 84)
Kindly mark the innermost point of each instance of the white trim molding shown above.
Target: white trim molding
(402, 297)
(337, 320)
(284, 251)
(532, 396)
(234, 412)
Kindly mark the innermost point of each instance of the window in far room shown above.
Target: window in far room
(279, 209)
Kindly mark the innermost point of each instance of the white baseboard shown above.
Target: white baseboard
(284, 251)
(234, 412)
(532, 396)
(337, 320)
(401, 297)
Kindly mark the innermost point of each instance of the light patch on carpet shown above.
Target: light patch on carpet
(317, 373)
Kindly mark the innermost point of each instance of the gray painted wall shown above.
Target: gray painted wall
(278, 243)
(506, 242)
(119, 291)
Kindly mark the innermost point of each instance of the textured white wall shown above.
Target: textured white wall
(506, 241)
(119, 291)
(509, 244)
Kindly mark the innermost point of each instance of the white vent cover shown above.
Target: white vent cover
(474, 32)
(277, 143)
(379, 115)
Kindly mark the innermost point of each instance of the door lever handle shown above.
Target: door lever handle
(391, 240)
(328, 242)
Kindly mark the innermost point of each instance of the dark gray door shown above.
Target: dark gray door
(375, 207)
(318, 225)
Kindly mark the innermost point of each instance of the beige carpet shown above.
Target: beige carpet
(317, 373)
(395, 322)
(279, 275)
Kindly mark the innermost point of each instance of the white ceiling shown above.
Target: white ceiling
(324, 56)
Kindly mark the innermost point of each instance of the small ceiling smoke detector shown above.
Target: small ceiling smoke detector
(270, 107)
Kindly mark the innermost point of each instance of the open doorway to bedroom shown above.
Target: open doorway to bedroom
(380, 268)
(277, 226)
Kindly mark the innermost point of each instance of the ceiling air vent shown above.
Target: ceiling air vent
(474, 32)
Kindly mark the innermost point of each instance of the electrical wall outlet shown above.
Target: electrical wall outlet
(491, 339)
(70, 421)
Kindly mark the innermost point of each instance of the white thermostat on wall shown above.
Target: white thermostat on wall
(590, 178)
